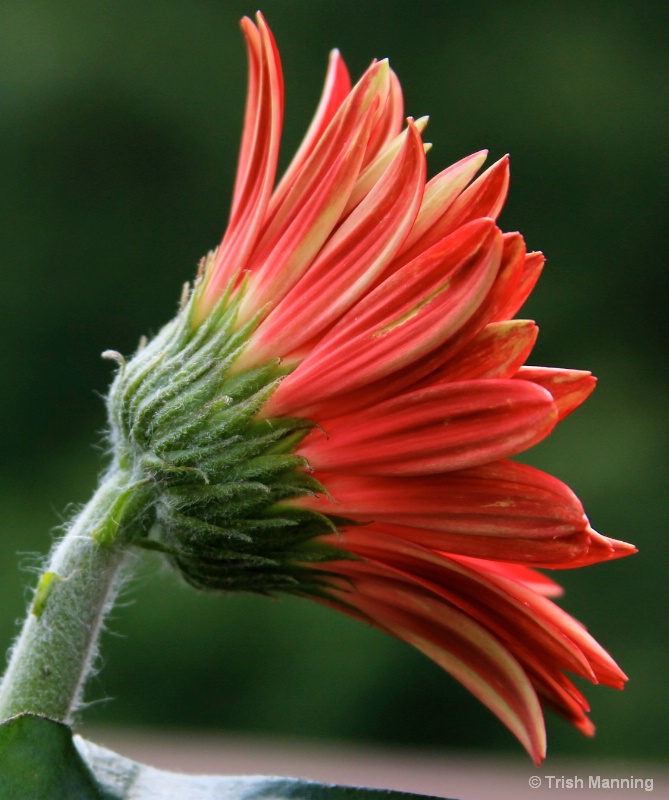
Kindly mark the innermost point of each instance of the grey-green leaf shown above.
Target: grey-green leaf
(41, 760)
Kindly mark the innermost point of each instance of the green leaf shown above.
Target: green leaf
(41, 760)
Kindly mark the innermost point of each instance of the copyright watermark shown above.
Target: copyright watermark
(628, 783)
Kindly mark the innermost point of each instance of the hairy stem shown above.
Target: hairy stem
(58, 644)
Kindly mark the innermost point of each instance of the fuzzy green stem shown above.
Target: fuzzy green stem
(58, 644)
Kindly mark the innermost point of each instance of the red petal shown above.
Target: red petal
(559, 694)
(498, 600)
(257, 162)
(439, 429)
(440, 193)
(287, 250)
(525, 622)
(569, 387)
(532, 267)
(375, 170)
(335, 91)
(315, 200)
(351, 259)
(408, 315)
(483, 198)
(498, 351)
(369, 92)
(527, 576)
(390, 120)
(434, 366)
(503, 511)
(506, 280)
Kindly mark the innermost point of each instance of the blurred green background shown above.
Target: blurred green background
(119, 126)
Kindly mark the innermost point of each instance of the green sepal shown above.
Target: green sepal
(227, 500)
(266, 554)
(188, 424)
(268, 466)
(251, 575)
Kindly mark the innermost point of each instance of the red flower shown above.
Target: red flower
(393, 299)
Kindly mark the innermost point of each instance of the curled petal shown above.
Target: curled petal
(257, 163)
(506, 280)
(377, 169)
(434, 367)
(484, 198)
(541, 638)
(369, 93)
(537, 631)
(527, 576)
(559, 694)
(390, 120)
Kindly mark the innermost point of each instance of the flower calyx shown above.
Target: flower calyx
(185, 422)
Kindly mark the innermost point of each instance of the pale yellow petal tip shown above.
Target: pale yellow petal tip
(383, 67)
(478, 158)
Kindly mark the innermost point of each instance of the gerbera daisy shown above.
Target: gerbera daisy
(333, 410)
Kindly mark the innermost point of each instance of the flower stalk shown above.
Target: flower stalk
(57, 647)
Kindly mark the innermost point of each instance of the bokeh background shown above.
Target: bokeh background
(119, 124)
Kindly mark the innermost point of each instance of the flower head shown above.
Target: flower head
(333, 410)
